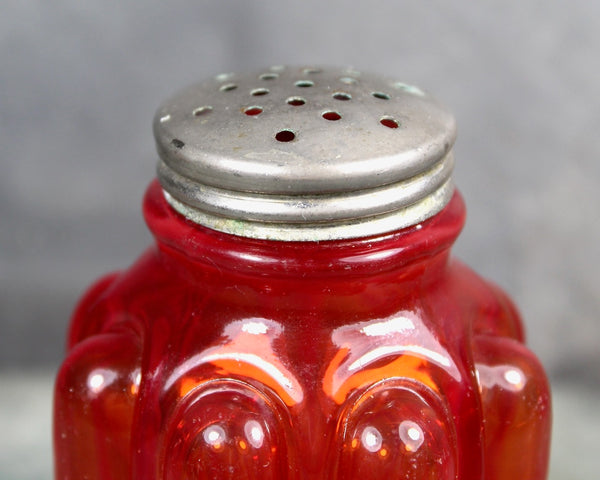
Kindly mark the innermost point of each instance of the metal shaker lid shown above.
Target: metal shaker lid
(305, 154)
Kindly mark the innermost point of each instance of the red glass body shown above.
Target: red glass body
(220, 357)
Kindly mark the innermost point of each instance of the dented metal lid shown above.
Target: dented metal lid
(305, 154)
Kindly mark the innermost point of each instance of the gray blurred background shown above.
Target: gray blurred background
(80, 80)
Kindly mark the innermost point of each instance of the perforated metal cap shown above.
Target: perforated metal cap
(306, 154)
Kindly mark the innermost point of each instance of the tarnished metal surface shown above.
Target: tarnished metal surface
(291, 153)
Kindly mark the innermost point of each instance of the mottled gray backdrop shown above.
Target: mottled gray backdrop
(79, 82)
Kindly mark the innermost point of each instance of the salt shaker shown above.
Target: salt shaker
(300, 316)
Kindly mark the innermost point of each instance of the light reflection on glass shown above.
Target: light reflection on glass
(514, 377)
(96, 381)
(504, 376)
(99, 379)
(411, 435)
(403, 339)
(254, 433)
(255, 328)
(254, 258)
(248, 351)
(371, 439)
(393, 325)
(214, 435)
(382, 352)
(373, 256)
(136, 377)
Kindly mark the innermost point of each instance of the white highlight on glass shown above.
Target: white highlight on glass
(255, 328)
(99, 379)
(254, 433)
(96, 381)
(371, 439)
(393, 325)
(214, 435)
(382, 352)
(514, 377)
(411, 435)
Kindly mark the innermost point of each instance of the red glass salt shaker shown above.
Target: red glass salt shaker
(300, 316)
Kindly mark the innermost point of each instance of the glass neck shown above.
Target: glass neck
(409, 248)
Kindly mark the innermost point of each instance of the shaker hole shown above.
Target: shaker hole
(259, 92)
(348, 80)
(296, 101)
(389, 122)
(311, 71)
(198, 112)
(381, 95)
(269, 76)
(331, 115)
(228, 87)
(285, 136)
(252, 111)
(304, 83)
(342, 96)
(409, 89)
